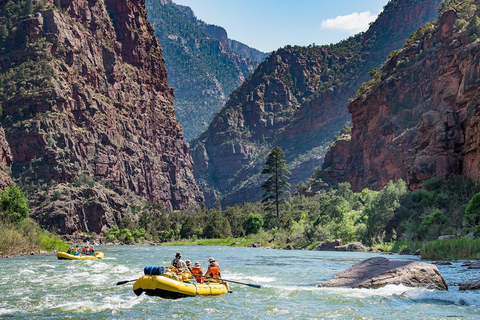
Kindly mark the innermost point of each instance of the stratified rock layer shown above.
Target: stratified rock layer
(96, 108)
(378, 272)
(420, 121)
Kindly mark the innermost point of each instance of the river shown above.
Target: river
(36, 287)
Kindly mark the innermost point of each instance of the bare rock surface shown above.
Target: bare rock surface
(378, 272)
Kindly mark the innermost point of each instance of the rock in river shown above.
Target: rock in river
(354, 246)
(475, 285)
(378, 272)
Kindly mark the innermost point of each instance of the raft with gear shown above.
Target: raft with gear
(67, 256)
(168, 284)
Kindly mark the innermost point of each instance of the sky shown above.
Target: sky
(267, 25)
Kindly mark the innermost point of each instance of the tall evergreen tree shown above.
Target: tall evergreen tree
(276, 185)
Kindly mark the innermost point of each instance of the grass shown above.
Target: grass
(399, 246)
(455, 248)
(27, 237)
(246, 241)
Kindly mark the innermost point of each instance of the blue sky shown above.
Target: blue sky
(270, 24)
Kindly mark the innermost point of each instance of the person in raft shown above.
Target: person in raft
(197, 272)
(188, 263)
(179, 263)
(214, 271)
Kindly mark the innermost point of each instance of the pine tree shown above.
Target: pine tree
(276, 185)
(3, 33)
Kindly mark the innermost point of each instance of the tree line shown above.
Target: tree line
(442, 207)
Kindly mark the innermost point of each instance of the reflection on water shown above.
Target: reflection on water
(44, 287)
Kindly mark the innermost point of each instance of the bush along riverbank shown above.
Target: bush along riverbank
(19, 234)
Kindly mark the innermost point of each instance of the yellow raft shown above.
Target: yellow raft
(66, 256)
(167, 286)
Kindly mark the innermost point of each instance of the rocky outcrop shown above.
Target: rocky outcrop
(296, 99)
(5, 161)
(328, 245)
(203, 64)
(93, 115)
(354, 246)
(419, 118)
(378, 272)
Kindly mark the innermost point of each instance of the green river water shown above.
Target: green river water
(37, 287)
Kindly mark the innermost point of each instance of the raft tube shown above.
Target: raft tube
(66, 256)
(167, 287)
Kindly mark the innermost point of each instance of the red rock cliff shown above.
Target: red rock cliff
(97, 108)
(421, 119)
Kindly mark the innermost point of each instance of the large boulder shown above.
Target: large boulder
(328, 245)
(378, 272)
(354, 246)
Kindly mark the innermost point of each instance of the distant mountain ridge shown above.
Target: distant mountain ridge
(204, 65)
(297, 99)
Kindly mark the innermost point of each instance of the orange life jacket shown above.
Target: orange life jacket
(197, 272)
(214, 272)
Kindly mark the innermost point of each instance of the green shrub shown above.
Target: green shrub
(253, 223)
(14, 205)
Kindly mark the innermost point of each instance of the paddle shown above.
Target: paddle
(125, 281)
(245, 284)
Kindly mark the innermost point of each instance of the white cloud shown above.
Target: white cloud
(351, 23)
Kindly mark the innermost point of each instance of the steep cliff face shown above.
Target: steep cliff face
(297, 99)
(5, 161)
(88, 113)
(420, 118)
(204, 65)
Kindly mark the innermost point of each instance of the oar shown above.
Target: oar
(125, 281)
(246, 284)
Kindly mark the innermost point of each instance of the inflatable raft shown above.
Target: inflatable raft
(170, 285)
(66, 256)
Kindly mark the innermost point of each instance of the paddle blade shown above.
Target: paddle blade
(253, 285)
(123, 282)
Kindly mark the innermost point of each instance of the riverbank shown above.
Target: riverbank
(27, 238)
(447, 249)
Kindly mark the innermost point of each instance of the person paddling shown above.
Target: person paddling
(214, 271)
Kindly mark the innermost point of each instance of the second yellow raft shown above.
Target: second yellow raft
(166, 286)
(63, 255)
